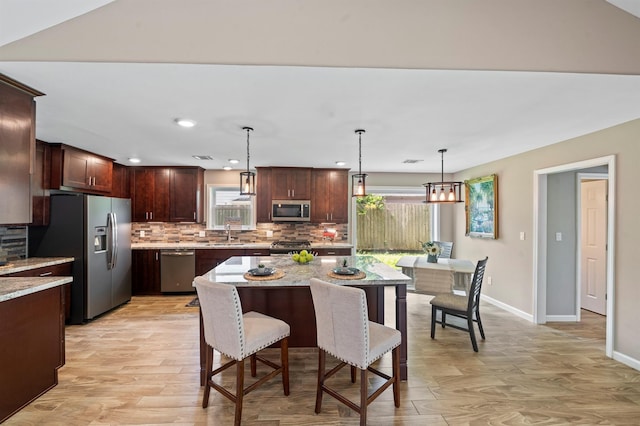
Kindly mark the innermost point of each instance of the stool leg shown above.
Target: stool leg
(207, 377)
(321, 363)
(239, 392)
(284, 361)
(363, 397)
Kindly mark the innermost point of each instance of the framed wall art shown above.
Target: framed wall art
(481, 207)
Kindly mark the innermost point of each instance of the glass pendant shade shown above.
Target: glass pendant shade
(247, 183)
(248, 178)
(443, 192)
(358, 181)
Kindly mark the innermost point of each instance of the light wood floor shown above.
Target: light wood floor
(139, 365)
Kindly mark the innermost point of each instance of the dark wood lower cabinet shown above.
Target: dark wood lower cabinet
(333, 251)
(145, 272)
(31, 347)
(207, 259)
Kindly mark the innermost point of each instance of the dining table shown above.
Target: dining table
(285, 294)
(447, 275)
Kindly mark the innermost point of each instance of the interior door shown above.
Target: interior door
(593, 261)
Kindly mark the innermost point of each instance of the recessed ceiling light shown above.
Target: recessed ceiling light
(227, 168)
(340, 163)
(134, 160)
(185, 122)
(233, 161)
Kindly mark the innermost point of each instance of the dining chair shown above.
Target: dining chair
(238, 336)
(446, 247)
(466, 307)
(345, 332)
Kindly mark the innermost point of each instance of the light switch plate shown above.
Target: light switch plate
(558, 236)
(522, 236)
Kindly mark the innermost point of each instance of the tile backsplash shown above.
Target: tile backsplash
(13, 243)
(165, 232)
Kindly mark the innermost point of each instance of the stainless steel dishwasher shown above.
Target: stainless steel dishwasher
(177, 270)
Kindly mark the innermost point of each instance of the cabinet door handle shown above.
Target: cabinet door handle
(293, 192)
(156, 256)
(46, 274)
(146, 215)
(330, 253)
(150, 215)
(194, 215)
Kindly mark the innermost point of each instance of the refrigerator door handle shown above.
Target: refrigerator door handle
(112, 240)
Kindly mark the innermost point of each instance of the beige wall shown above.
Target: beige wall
(511, 260)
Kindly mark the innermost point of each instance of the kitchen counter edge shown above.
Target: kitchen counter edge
(20, 265)
(173, 246)
(14, 287)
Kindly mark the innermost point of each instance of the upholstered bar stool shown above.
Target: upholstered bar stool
(238, 336)
(344, 331)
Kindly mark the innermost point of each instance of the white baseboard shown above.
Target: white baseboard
(626, 360)
(562, 318)
(508, 308)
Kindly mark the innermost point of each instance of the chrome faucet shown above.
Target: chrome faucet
(228, 226)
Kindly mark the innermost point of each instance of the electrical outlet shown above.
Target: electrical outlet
(558, 236)
(522, 236)
(141, 234)
(489, 281)
(201, 234)
(269, 234)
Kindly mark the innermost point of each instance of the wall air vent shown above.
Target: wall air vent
(203, 157)
(410, 161)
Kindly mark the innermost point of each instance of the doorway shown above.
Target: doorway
(541, 241)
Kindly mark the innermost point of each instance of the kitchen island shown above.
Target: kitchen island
(289, 298)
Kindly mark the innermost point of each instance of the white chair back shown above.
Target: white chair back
(222, 317)
(342, 321)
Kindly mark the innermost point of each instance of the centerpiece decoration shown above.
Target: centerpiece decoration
(432, 250)
(303, 257)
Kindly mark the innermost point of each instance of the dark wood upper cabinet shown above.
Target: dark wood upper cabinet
(167, 194)
(40, 182)
(186, 195)
(149, 194)
(290, 183)
(17, 150)
(329, 199)
(120, 183)
(78, 170)
(263, 195)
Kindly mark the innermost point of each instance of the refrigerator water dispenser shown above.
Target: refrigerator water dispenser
(100, 239)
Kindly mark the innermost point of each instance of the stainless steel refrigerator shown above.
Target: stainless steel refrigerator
(96, 231)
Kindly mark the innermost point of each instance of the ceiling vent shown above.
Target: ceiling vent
(410, 161)
(203, 157)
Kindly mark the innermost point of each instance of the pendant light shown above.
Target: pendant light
(443, 192)
(248, 178)
(358, 187)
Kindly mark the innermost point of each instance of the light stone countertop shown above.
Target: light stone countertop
(32, 263)
(13, 287)
(232, 271)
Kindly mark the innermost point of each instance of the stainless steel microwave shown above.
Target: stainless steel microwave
(290, 210)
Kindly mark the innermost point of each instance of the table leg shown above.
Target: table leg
(401, 324)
